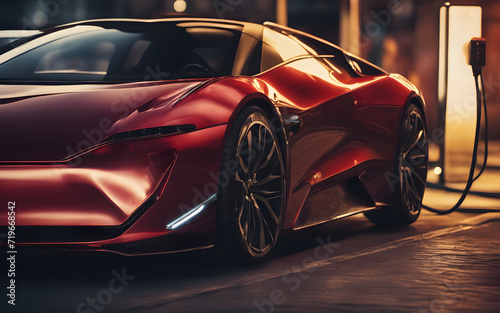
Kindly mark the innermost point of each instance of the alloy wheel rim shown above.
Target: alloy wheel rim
(413, 162)
(259, 186)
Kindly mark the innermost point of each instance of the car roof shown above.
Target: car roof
(124, 21)
(17, 33)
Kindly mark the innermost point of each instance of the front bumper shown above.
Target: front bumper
(120, 197)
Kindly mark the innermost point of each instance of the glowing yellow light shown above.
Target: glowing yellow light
(180, 5)
(457, 92)
(438, 170)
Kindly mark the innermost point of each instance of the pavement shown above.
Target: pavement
(488, 183)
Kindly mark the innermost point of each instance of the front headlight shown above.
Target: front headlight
(150, 132)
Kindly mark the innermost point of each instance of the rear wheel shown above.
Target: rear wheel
(251, 198)
(410, 172)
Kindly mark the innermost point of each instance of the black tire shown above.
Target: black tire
(251, 193)
(410, 172)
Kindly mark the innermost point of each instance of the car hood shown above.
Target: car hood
(52, 122)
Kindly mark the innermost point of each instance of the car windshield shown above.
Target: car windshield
(133, 53)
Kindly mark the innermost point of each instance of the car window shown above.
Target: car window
(93, 58)
(295, 45)
(270, 57)
(253, 64)
(363, 68)
(337, 71)
(248, 56)
(126, 54)
(318, 47)
(355, 66)
(278, 48)
(322, 48)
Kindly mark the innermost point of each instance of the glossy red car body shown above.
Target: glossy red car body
(75, 188)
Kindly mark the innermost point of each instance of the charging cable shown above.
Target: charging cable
(477, 59)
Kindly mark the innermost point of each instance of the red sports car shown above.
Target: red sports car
(153, 136)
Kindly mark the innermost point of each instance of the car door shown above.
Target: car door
(374, 120)
(311, 91)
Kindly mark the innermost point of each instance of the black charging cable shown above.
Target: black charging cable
(485, 108)
(471, 178)
(477, 65)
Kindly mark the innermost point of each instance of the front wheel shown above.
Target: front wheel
(251, 201)
(410, 172)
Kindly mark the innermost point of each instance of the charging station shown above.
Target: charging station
(461, 97)
(456, 91)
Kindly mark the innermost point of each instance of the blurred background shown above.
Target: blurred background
(366, 274)
(398, 35)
